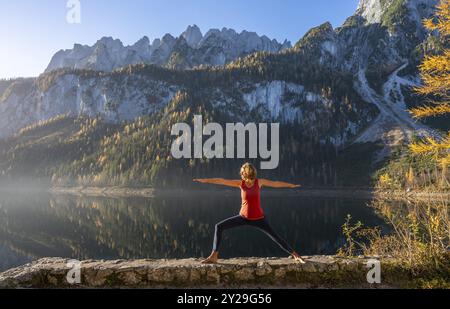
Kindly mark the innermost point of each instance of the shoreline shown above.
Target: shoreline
(318, 272)
(356, 193)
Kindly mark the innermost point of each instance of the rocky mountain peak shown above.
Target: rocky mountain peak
(110, 42)
(366, 55)
(317, 35)
(168, 38)
(193, 35)
(142, 42)
(372, 10)
(383, 11)
(217, 47)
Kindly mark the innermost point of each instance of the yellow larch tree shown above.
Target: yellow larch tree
(435, 74)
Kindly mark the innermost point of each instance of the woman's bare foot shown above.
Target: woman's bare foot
(297, 258)
(212, 259)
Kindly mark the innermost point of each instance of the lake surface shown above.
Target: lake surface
(35, 225)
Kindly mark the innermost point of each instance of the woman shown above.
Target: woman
(251, 213)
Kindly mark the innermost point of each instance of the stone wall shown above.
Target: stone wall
(319, 271)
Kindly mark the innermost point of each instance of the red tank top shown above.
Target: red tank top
(251, 202)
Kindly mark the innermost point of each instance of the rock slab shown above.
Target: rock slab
(319, 271)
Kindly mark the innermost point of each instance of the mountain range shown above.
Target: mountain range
(332, 90)
(190, 49)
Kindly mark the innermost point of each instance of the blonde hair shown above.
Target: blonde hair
(248, 171)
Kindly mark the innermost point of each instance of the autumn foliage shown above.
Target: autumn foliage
(434, 72)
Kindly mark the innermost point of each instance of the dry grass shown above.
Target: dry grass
(419, 239)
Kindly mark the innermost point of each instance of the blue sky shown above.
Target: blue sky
(34, 30)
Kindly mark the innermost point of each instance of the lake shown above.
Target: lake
(34, 225)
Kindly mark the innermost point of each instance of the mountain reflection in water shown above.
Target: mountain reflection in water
(42, 225)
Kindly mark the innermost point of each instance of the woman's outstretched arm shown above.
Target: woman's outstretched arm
(276, 184)
(220, 181)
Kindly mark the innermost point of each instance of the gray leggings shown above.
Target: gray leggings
(238, 221)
